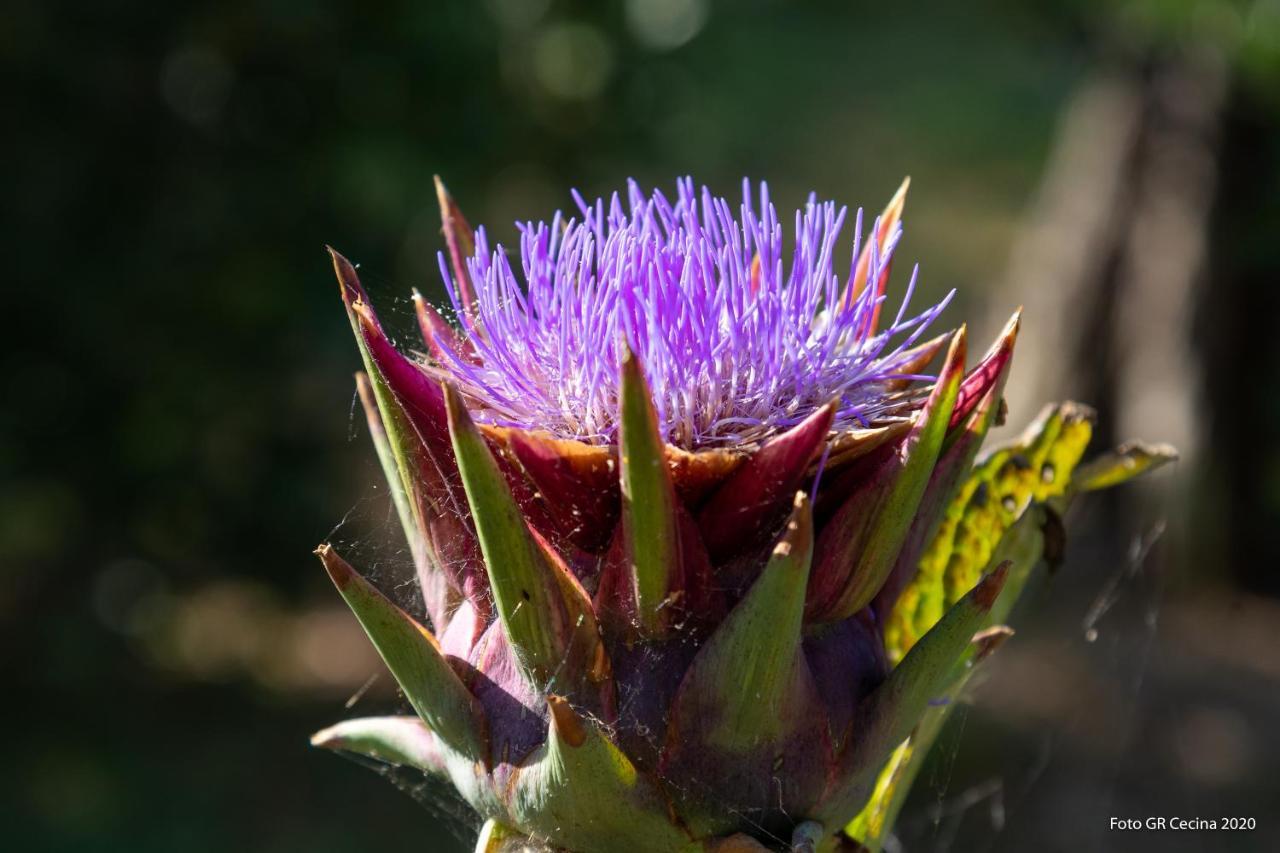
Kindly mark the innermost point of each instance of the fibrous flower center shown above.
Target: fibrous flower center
(737, 341)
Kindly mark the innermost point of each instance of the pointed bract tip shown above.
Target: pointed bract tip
(632, 375)
(959, 348)
(953, 367)
(635, 388)
(565, 721)
(827, 414)
(899, 199)
(459, 417)
(990, 639)
(348, 280)
(454, 224)
(340, 572)
(435, 330)
(460, 242)
(448, 208)
(922, 354)
(329, 738)
(982, 387)
(799, 533)
(627, 361)
(1007, 338)
(984, 595)
(824, 417)
(892, 214)
(1009, 334)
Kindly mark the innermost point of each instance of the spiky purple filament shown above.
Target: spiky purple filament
(733, 351)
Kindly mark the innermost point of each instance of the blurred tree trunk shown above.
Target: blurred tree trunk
(1113, 257)
(1236, 502)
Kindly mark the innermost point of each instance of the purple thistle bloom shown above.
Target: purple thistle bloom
(634, 647)
(638, 647)
(737, 344)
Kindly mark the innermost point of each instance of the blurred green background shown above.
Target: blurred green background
(178, 429)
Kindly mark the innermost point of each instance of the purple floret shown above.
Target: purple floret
(731, 355)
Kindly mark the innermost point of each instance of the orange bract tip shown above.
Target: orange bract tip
(568, 725)
(988, 589)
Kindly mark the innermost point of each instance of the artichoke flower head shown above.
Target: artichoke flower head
(696, 524)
